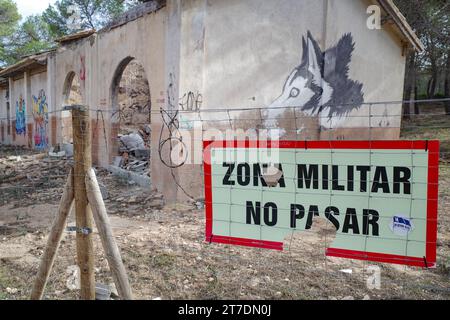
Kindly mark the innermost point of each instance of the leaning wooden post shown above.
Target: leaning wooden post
(104, 229)
(54, 239)
(83, 162)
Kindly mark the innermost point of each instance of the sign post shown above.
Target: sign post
(380, 196)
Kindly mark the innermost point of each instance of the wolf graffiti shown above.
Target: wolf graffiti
(320, 85)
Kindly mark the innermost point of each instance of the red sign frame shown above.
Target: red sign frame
(429, 261)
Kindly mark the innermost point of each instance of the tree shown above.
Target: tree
(69, 16)
(9, 20)
(31, 37)
(431, 22)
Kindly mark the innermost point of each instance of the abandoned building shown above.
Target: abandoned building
(212, 55)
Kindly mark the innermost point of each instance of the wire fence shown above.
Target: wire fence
(163, 242)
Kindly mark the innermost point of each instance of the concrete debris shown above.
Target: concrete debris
(132, 141)
(114, 293)
(40, 177)
(57, 152)
(132, 178)
(134, 153)
(73, 278)
(28, 178)
(68, 149)
(102, 292)
(104, 191)
(118, 161)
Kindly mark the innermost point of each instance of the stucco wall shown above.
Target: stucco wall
(18, 91)
(227, 55)
(4, 138)
(238, 54)
(98, 62)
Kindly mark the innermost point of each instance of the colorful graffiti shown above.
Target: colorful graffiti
(21, 122)
(40, 115)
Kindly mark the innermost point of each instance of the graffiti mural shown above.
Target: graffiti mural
(40, 115)
(82, 68)
(21, 116)
(320, 85)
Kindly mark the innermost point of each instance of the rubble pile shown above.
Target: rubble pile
(28, 178)
(32, 177)
(134, 151)
(127, 197)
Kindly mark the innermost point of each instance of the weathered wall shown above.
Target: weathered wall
(202, 55)
(98, 62)
(238, 54)
(4, 124)
(39, 109)
(28, 92)
(20, 111)
(377, 62)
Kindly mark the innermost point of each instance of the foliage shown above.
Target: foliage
(31, 37)
(69, 16)
(37, 33)
(431, 22)
(9, 19)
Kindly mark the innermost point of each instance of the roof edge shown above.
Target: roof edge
(37, 59)
(402, 24)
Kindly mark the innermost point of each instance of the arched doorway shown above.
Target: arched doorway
(131, 118)
(71, 95)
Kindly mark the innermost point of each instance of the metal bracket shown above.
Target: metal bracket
(75, 107)
(84, 231)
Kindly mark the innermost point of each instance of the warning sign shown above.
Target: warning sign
(380, 196)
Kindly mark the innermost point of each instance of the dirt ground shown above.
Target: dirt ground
(166, 256)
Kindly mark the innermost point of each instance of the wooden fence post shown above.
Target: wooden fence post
(83, 162)
(54, 239)
(105, 231)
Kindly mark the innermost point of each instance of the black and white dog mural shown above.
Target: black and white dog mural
(319, 86)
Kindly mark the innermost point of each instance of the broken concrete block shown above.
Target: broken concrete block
(142, 153)
(143, 181)
(102, 292)
(73, 277)
(114, 293)
(56, 154)
(118, 161)
(104, 191)
(133, 141)
(68, 149)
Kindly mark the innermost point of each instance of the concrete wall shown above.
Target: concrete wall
(238, 54)
(40, 111)
(34, 130)
(225, 55)
(4, 123)
(98, 62)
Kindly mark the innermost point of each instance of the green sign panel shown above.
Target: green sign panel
(381, 197)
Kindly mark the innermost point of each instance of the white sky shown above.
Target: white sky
(29, 7)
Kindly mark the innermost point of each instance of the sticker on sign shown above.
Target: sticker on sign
(380, 196)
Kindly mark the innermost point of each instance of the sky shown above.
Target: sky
(29, 7)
